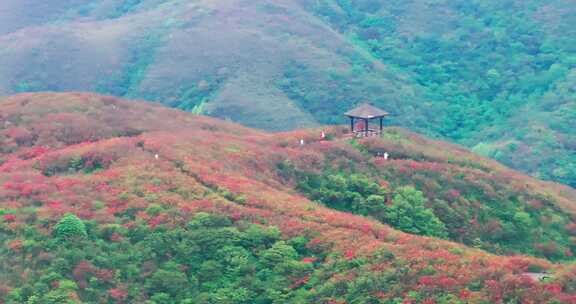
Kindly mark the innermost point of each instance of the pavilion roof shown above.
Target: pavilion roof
(366, 111)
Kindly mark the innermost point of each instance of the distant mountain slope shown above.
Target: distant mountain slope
(496, 76)
(167, 51)
(104, 200)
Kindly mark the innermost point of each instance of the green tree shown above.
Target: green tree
(408, 213)
(522, 221)
(70, 227)
(374, 204)
(171, 281)
(160, 298)
(278, 253)
(64, 294)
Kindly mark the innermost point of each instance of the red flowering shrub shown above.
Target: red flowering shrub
(9, 218)
(571, 228)
(309, 260)
(105, 275)
(15, 245)
(81, 272)
(119, 293)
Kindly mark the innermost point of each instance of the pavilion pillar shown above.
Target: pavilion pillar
(366, 127)
(381, 124)
(352, 124)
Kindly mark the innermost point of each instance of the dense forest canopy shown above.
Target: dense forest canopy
(495, 75)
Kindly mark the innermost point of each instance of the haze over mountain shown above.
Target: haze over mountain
(497, 76)
(104, 200)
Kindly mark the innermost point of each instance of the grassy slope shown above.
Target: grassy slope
(95, 156)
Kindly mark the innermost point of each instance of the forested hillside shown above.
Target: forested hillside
(104, 200)
(497, 76)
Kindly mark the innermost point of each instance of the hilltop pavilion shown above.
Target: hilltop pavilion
(364, 114)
